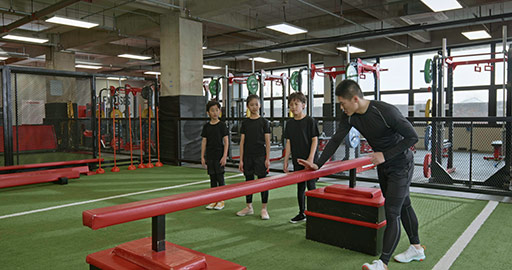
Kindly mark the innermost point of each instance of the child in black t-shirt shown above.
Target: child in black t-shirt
(301, 135)
(255, 152)
(215, 146)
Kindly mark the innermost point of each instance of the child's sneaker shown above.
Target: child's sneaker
(264, 214)
(298, 218)
(219, 206)
(376, 265)
(211, 206)
(244, 212)
(411, 254)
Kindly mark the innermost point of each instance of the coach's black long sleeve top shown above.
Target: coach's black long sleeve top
(383, 126)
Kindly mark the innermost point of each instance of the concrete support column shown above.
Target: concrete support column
(181, 93)
(327, 108)
(60, 61)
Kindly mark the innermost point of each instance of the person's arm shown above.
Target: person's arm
(267, 148)
(287, 152)
(312, 150)
(203, 150)
(329, 149)
(225, 155)
(401, 125)
(241, 164)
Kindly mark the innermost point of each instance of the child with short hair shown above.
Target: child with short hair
(255, 153)
(301, 135)
(214, 148)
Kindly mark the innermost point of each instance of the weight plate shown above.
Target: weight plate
(252, 84)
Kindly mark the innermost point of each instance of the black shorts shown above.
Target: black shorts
(395, 176)
(214, 167)
(255, 166)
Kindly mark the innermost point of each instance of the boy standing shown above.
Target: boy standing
(215, 146)
(255, 153)
(301, 135)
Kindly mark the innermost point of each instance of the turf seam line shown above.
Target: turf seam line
(456, 249)
(108, 198)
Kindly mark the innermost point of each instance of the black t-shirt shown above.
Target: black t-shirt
(383, 126)
(300, 133)
(214, 135)
(255, 130)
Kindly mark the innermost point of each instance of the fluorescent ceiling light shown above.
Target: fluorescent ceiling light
(133, 56)
(3, 58)
(27, 39)
(71, 22)
(88, 66)
(263, 59)
(441, 5)
(152, 73)
(204, 47)
(352, 49)
(287, 28)
(116, 78)
(480, 34)
(78, 62)
(211, 67)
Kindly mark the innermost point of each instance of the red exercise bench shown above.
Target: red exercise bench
(156, 253)
(58, 172)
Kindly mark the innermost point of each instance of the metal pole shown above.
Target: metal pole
(310, 88)
(504, 50)
(6, 88)
(158, 233)
(348, 54)
(441, 80)
(16, 118)
(93, 117)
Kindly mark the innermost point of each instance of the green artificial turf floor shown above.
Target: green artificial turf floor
(56, 239)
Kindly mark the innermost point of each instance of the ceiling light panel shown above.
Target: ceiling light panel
(71, 22)
(133, 56)
(442, 5)
(26, 39)
(287, 28)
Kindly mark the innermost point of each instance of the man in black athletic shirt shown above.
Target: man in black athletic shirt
(390, 135)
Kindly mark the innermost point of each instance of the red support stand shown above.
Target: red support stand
(131, 167)
(141, 164)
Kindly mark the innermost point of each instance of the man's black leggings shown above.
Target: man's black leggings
(395, 179)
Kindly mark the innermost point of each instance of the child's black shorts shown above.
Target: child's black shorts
(214, 167)
(255, 166)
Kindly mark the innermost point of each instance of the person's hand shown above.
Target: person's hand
(308, 165)
(285, 167)
(203, 162)
(377, 158)
(223, 161)
(267, 163)
(241, 166)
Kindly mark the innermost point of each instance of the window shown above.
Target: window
(499, 103)
(499, 66)
(401, 101)
(418, 64)
(466, 75)
(397, 75)
(470, 103)
(368, 84)
(420, 101)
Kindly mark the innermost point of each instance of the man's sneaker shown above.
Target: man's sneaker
(411, 254)
(211, 206)
(376, 265)
(244, 212)
(264, 214)
(298, 218)
(219, 206)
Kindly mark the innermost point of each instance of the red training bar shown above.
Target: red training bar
(112, 215)
(48, 164)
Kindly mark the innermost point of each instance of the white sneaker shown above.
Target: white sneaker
(411, 254)
(376, 265)
(264, 214)
(211, 206)
(244, 212)
(219, 206)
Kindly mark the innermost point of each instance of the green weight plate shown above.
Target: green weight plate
(252, 84)
(214, 87)
(427, 71)
(294, 80)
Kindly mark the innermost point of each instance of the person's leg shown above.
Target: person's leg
(301, 190)
(213, 183)
(249, 175)
(311, 184)
(392, 206)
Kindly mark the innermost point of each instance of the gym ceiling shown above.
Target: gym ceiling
(236, 30)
